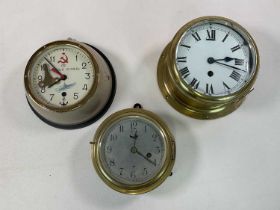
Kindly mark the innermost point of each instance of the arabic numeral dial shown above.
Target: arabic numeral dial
(136, 147)
(68, 83)
(133, 151)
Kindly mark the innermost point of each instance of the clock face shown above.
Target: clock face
(214, 58)
(61, 76)
(132, 150)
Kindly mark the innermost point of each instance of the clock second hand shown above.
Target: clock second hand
(62, 76)
(54, 69)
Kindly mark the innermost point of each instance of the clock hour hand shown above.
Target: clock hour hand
(134, 137)
(211, 60)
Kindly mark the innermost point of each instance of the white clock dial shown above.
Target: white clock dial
(132, 150)
(62, 76)
(214, 58)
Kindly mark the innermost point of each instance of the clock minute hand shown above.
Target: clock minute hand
(134, 137)
(135, 150)
(233, 67)
(226, 59)
(146, 158)
(139, 153)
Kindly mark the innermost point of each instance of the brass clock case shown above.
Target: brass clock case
(165, 170)
(182, 96)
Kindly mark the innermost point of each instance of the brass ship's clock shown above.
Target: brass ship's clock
(208, 67)
(133, 151)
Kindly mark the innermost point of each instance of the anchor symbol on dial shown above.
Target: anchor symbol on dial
(64, 102)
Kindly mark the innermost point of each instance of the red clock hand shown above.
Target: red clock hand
(53, 69)
(62, 76)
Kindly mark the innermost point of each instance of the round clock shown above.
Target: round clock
(133, 151)
(208, 68)
(69, 84)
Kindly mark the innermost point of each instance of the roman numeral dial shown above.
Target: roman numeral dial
(212, 60)
(209, 65)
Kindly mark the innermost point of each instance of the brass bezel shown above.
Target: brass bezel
(46, 47)
(164, 172)
(184, 98)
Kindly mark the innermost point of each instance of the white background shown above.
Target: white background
(228, 163)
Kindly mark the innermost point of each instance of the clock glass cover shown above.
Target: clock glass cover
(214, 57)
(133, 150)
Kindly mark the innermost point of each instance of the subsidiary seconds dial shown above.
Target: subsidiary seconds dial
(214, 59)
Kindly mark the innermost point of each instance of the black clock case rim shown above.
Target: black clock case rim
(102, 111)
